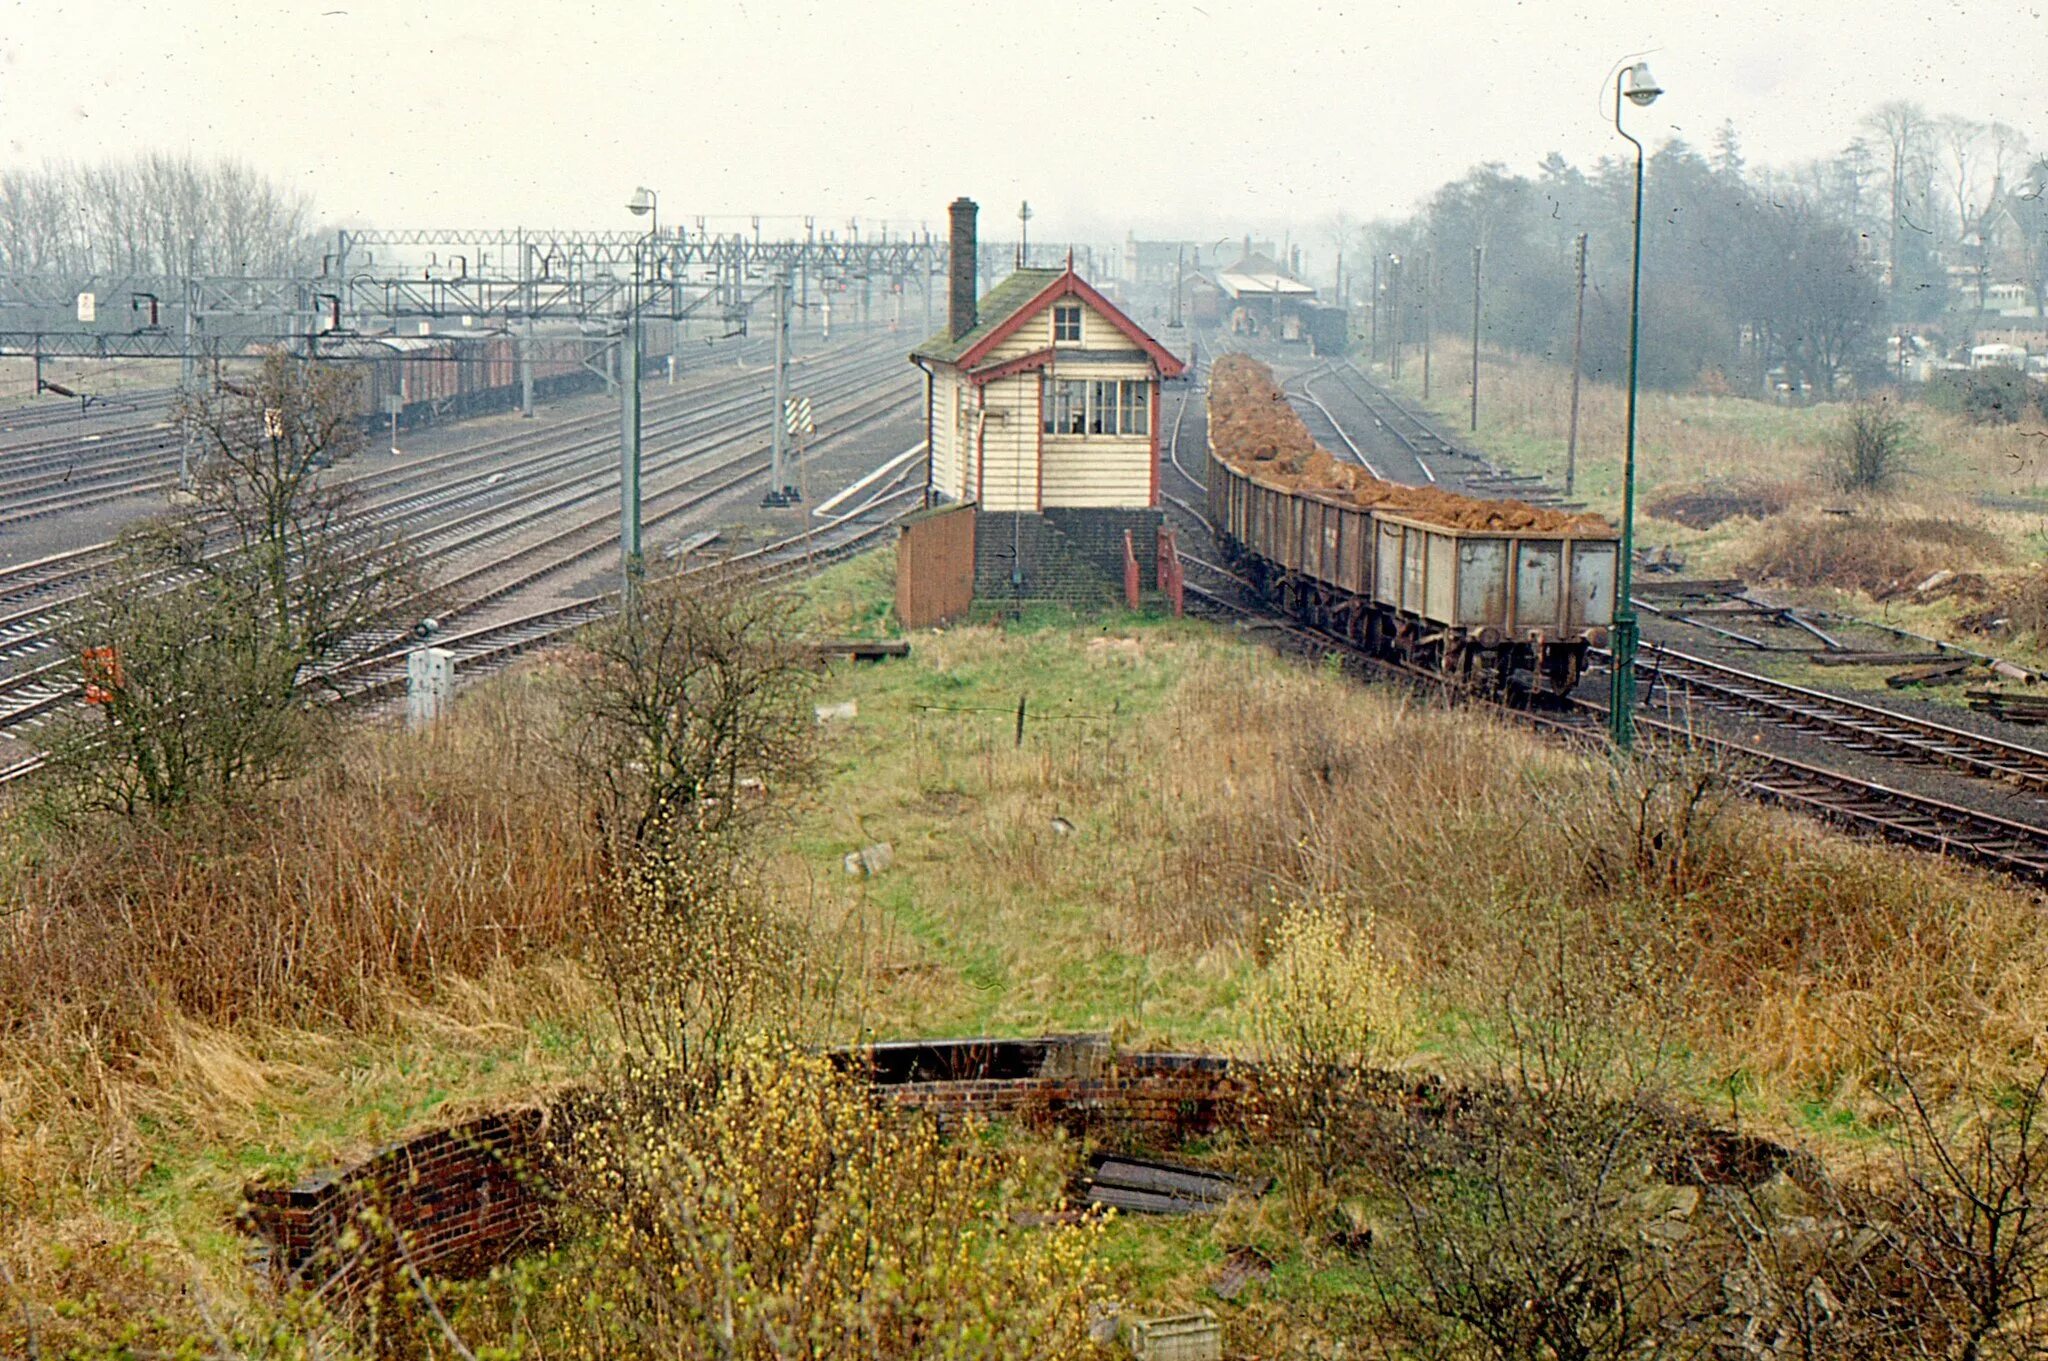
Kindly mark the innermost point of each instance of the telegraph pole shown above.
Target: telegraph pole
(803, 275)
(1373, 311)
(1571, 443)
(1478, 254)
(526, 340)
(1398, 311)
(1428, 314)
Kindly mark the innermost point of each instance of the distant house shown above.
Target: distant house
(1042, 413)
(2013, 243)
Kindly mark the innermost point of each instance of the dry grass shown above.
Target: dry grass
(1686, 441)
(1877, 554)
(408, 860)
(1783, 947)
(185, 1005)
(1777, 948)
(1118, 870)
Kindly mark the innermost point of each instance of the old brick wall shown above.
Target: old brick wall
(467, 1197)
(935, 567)
(1070, 556)
(459, 1200)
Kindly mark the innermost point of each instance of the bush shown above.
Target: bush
(688, 707)
(789, 1214)
(1325, 1011)
(1872, 450)
(1992, 396)
(1878, 555)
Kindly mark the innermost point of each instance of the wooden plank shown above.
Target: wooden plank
(1871, 658)
(1949, 672)
(861, 649)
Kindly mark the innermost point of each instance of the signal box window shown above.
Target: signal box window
(1076, 406)
(1066, 322)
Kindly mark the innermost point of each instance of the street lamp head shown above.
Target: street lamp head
(1640, 86)
(642, 202)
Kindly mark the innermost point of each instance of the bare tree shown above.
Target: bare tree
(688, 702)
(1904, 131)
(1810, 289)
(136, 217)
(1968, 1223)
(2007, 147)
(225, 613)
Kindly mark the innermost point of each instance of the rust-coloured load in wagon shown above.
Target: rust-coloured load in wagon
(1254, 430)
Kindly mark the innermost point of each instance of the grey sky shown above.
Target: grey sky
(1206, 116)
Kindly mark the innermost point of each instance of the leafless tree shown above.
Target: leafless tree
(687, 704)
(142, 216)
(1905, 132)
(1968, 1222)
(223, 615)
(2007, 147)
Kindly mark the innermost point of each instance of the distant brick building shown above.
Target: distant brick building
(1042, 412)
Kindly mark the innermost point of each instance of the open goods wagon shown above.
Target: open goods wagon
(1476, 605)
(441, 376)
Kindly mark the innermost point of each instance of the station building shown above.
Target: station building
(1264, 298)
(1042, 419)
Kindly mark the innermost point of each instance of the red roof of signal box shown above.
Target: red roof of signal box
(1008, 314)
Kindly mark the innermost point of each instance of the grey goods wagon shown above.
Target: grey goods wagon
(1479, 606)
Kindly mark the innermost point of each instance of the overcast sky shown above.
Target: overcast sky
(1189, 118)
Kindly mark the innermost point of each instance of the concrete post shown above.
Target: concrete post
(429, 684)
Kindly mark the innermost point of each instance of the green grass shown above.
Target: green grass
(932, 765)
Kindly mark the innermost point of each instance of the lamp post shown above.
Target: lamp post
(1639, 87)
(644, 203)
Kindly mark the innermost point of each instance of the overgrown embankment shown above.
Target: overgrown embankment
(1185, 840)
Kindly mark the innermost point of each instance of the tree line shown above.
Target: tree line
(144, 215)
(1750, 271)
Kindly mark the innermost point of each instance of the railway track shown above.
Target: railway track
(1725, 690)
(676, 482)
(491, 646)
(23, 424)
(1849, 723)
(505, 470)
(1849, 801)
(1420, 441)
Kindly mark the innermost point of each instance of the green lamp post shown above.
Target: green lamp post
(1639, 87)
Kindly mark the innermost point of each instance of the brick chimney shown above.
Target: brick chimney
(960, 311)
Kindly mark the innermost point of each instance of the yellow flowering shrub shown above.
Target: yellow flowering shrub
(790, 1215)
(1324, 1012)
